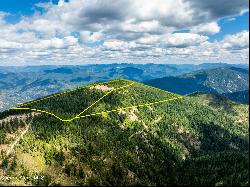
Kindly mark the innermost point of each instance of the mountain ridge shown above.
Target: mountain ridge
(152, 145)
(223, 81)
(17, 82)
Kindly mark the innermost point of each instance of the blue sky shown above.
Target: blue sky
(106, 31)
(19, 8)
(237, 24)
(23, 7)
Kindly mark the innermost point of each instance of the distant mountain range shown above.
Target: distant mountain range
(231, 82)
(20, 84)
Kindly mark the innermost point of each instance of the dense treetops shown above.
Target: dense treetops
(190, 141)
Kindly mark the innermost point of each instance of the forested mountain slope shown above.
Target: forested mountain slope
(240, 96)
(231, 82)
(133, 135)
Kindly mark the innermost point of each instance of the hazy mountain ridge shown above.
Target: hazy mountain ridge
(224, 81)
(16, 82)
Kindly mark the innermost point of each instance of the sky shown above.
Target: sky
(37, 32)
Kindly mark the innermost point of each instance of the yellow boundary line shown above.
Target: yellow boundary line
(104, 112)
(151, 87)
(135, 106)
(69, 91)
(67, 120)
(102, 98)
(98, 113)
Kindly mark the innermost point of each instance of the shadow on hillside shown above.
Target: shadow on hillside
(216, 138)
(221, 159)
(223, 103)
(213, 139)
(216, 101)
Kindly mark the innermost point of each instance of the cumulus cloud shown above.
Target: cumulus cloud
(117, 45)
(173, 40)
(237, 41)
(87, 36)
(183, 39)
(207, 28)
(97, 31)
(214, 9)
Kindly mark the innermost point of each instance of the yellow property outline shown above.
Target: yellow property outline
(135, 106)
(78, 116)
(69, 91)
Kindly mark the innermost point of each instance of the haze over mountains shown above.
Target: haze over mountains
(20, 84)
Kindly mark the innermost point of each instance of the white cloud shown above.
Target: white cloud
(9, 45)
(173, 40)
(96, 30)
(144, 26)
(183, 39)
(87, 36)
(237, 41)
(149, 39)
(71, 40)
(117, 45)
(207, 28)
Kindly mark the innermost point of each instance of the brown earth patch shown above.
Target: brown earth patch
(101, 87)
